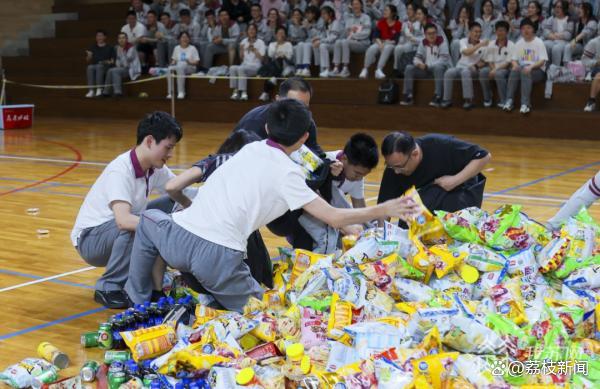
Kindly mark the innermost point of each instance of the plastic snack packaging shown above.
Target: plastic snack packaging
(425, 319)
(434, 370)
(518, 343)
(503, 229)
(482, 258)
(487, 281)
(462, 225)
(413, 291)
(348, 242)
(350, 285)
(569, 312)
(308, 160)
(303, 260)
(552, 255)
(205, 314)
(523, 263)
(469, 336)
(475, 370)
(421, 258)
(426, 227)
(359, 375)
(313, 327)
(451, 284)
(274, 299)
(432, 343)
(148, 343)
(190, 360)
(340, 316)
(373, 337)
(508, 300)
(234, 324)
(572, 264)
(391, 376)
(22, 374)
(585, 278)
(381, 272)
(368, 249)
(266, 330)
(446, 260)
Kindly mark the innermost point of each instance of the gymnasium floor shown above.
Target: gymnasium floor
(46, 289)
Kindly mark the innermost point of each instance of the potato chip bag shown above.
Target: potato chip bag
(204, 314)
(434, 369)
(303, 259)
(463, 225)
(551, 256)
(508, 300)
(381, 272)
(482, 258)
(422, 259)
(518, 343)
(413, 291)
(503, 229)
(359, 375)
(313, 327)
(148, 343)
(426, 227)
(266, 330)
(340, 316)
(446, 260)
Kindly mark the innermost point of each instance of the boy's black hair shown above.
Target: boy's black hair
(165, 13)
(160, 125)
(101, 31)
(236, 140)
(429, 26)
(472, 25)
(153, 12)
(130, 13)
(185, 12)
(398, 142)
(209, 12)
(182, 33)
(502, 24)
(361, 150)
(287, 121)
(528, 22)
(295, 84)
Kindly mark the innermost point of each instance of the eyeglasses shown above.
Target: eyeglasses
(401, 166)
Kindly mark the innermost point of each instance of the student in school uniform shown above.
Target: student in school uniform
(184, 61)
(99, 57)
(591, 61)
(498, 59)
(257, 185)
(558, 31)
(585, 196)
(355, 39)
(106, 222)
(445, 170)
(135, 30)
(330, 33)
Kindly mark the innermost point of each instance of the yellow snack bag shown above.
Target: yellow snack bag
(508, 300)
(381, 272)
(205, 314)
(432, 343)
(279, 280)
(303, 260)
(446, 260)
(254, 305)
(148, 343)
(359, 374)
(340, 316)
(395, 321)
(266, 329)
(422, 258)
(348, 241)
(426, 226)
(289, 324)
(435, 368)
(190, 360)
(410, 307)
(274, 299)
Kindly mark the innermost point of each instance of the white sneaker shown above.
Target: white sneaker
(169, 96)
(508, 106)
(335, 72)
(181, 95)
(90, 94)
(264, 96)
(363, 74)
(305, 72)
(298, 72)
(525, 109)
(379, 74)
(324, 74)
(345, 73)
(98, 92)
(590, 106)
(244, 96)
(235, 95)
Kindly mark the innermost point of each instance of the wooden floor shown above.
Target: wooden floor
(52, 167)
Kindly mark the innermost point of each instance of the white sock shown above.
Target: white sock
(585, 196)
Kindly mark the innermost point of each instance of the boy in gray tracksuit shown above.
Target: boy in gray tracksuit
(313, 27)
(432, 60)
(224, 40)
(356, 39)
(330, 33)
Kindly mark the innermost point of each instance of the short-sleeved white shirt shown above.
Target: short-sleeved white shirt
(250, 57)
(122, 180)
(356, 189)
(181, 55)
(469, 60)
(528, 53)
(499, 55)
(254, 187)
(134, 33)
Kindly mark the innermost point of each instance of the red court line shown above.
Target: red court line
(78, 158)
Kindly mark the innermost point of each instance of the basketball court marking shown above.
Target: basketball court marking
(38, 281)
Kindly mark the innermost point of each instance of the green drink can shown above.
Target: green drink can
(148, 378)
(89, 339)
(116, 356)
(105, 338)
(115, 380)
(47, 377)
(89, 371)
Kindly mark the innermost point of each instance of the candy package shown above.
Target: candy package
(503, 229)
(462, 225)
(381, 272)
(551, 256)
(482, 258)
(148, 343)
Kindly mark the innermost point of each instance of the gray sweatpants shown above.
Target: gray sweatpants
(555, 50)
(107, 246)
(384, 54)
(572, 51)
(403, 55)
(324, 50)
(239, 76)
(221, 270)
(501, 79)
(436, 72)
(303, 51)
(114, 77)
(95, 75)
(465, 75)
(526, 80)
(181, 70)
(343, 48)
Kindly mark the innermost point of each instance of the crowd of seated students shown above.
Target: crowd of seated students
(512, 42)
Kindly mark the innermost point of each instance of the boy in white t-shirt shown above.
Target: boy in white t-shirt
(528, 64)
(498, 60)
(254, 187)
(472, 51)
(105, 225)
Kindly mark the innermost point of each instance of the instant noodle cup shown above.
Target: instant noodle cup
(148, 343)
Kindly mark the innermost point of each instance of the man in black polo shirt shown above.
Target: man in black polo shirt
(445, 170)
(293, 88)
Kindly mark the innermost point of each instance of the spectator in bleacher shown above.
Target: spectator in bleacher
(534, 13)
(542, 8)
(431, 61)
(158, 6)
(330, 33)
(194, 7)
(173, 7)
(513, 17)
(435, 9)
(488, 20)
(162, 46)
(252, 51)
(268, 4)
(140, 9)
(289, 6)
(280, 54)
(591, 60)
(206, 33)
(184, 61)
(355, 39)
(99, 57)
(297, 34)
(585, 30)
(133, 29)
(528, 67)
(472, 51)
(239, 11)
(387, 33)
(412, 35)
(186, 24)
(558, 31)
(258, 20)
(273, 23)
(459, 28)
(207, 5)
(223, 40)
(148, 46)
(498, 59)
(127, 66)
(313, 26)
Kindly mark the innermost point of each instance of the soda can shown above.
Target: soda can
(148, 378)
(115, 380)
(47, 377)
(105, 337)
(89, 370)
(112, 356)
(89, 339)
(53, 355)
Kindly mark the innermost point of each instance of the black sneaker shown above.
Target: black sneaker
(445, 104)
(468, 105)
(436, 101)
(407, 100)
(114, 299)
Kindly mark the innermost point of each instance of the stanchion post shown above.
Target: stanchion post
(3, 92)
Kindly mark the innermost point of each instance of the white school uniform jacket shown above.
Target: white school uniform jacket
(433, 54)
(564, 27)
(331, 33)
(134, 33)
(591, 53)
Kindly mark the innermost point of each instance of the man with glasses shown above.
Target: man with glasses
(445, 170)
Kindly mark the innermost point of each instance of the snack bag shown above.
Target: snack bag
(434, 369)
(148, 343)
(381, 272)
(584, 278)
(503, 229)
(406, 270)
(571, 264)
(570, 313)
(410, 290)
(377, 303)
(518, 344)
(446, 260)
(313, 327)
(348, 241)
(482, 258)
(274, 299)
(487, 281)
(281, 276)
(374, 337)
(368, 249)
(469, 336)
(425, 319)
(340, 316)
(552, 255)
(426, 227)
(475, 370)
(22, 374)
(289, 324)
(190, 361)
(462, 225)
(422, 259)
(320, 301)
(390, 376)
(359, 375)
(205, 314)
(537, 231)
(350, 287)
(234, 324)
(308, 160)
(303, 260)
(451, 284)
(508, 300)
(266, 330)
(523, 263)
(402, 357)
(432, 343)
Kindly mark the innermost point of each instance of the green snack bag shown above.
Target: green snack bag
(406, 270)
(572, 264)
(462, 225)
(503, 230)
(315, 303)
(518, 342)
(584, 216)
